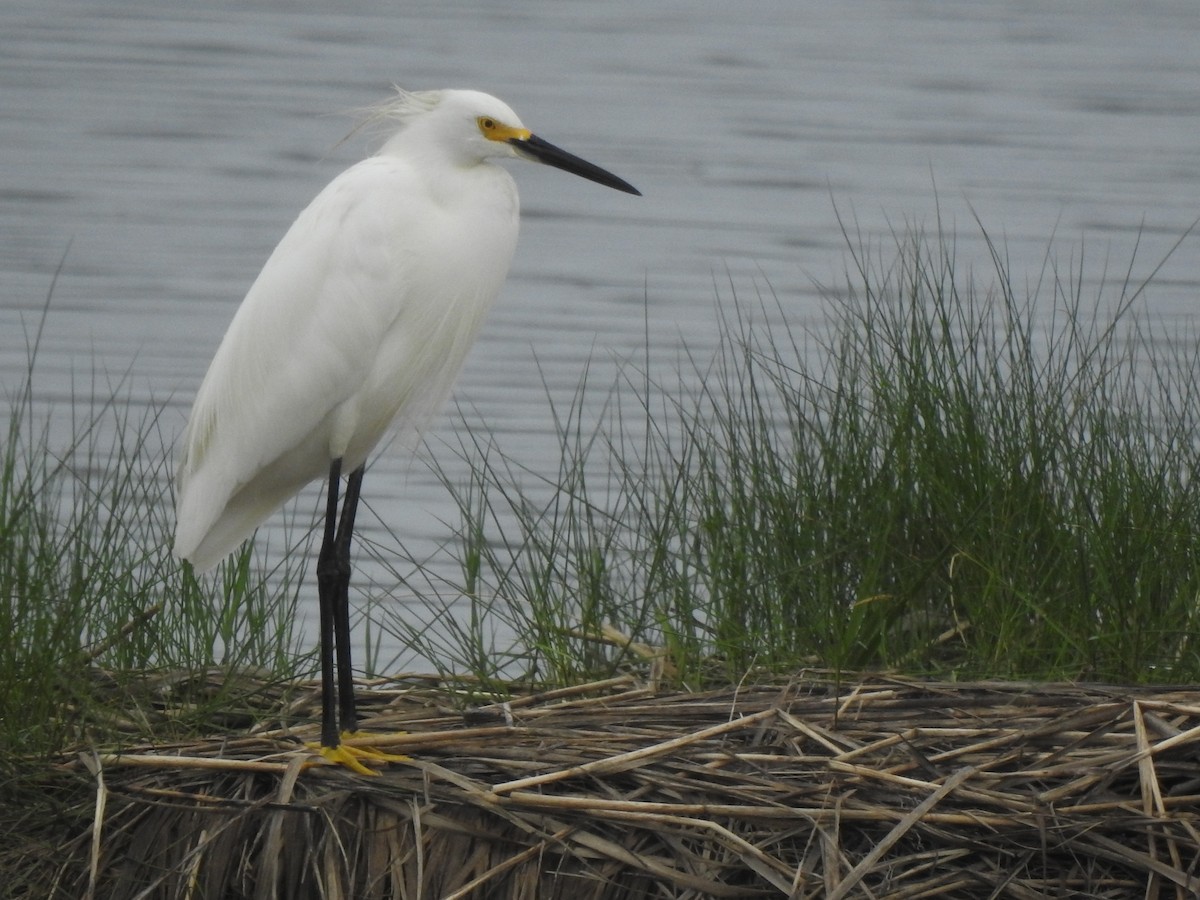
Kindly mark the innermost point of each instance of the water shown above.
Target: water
(169, 148)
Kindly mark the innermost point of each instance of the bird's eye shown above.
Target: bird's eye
(486, 123)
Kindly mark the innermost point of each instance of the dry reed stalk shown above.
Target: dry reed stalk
(820, 787)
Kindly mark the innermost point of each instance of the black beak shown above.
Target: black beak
(541, 151)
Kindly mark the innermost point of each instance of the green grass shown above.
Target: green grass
(951, 477)
(954, 478)
(93, 600)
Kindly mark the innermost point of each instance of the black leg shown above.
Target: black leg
(341, 609)
(327, 589)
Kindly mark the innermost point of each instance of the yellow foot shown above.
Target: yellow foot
(353, 757)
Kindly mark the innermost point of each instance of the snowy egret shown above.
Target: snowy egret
(358, 323)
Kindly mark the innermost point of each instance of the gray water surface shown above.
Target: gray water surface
(170, 147)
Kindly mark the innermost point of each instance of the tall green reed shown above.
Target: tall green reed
(951, 477)
(91, 599)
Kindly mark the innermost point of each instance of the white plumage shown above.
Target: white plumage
(361, 317)
(358, 322)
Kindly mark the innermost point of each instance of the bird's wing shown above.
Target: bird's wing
(300, 344)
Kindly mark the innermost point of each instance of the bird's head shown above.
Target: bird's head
(478, 126)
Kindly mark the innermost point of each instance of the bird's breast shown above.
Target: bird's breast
(449, 264)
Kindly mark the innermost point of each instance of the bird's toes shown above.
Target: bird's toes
(347, 757)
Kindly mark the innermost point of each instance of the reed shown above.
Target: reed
(819, 785)
(92, 595)
(953, 477)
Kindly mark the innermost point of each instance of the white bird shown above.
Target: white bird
(359, 322)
